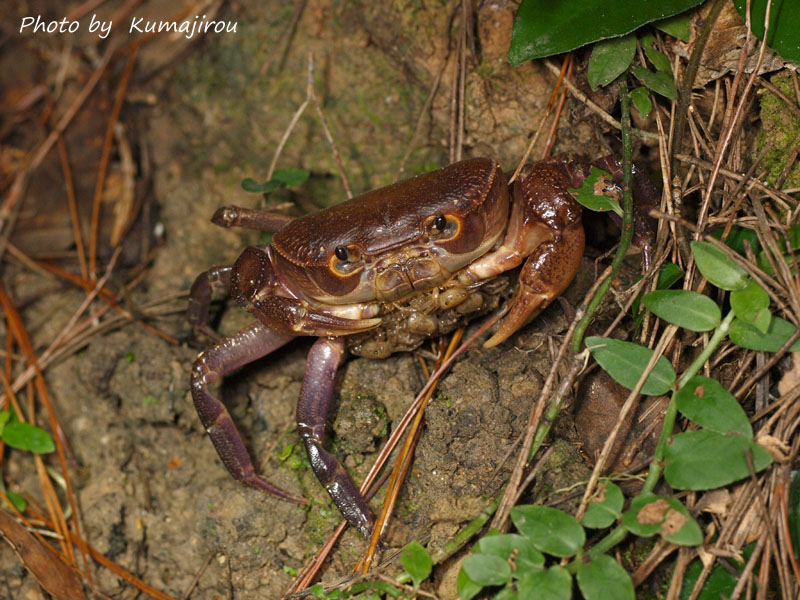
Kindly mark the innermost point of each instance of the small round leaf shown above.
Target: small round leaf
(751, 305)
(650, 515)
(641, 101)
(610, 59)
(554, 583)
(512, 546)
(778, 333)
(290, 176)
(28, 437)
(625, 362)
(719, 268)
(602, 578)
(704, 460)
(467, 589)
(684, 308)
(486, 569)
(550, 530)
(707, 403)
(668, 275)
(597, 192)
(605, 507)
(661, 82)
(416, 561)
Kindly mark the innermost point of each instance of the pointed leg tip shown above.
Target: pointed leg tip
(498, 338)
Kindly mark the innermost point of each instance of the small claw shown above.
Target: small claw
(295, 317)
(524, 307)
(315, 323)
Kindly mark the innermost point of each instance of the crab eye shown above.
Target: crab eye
(440, 223)
(341, 253)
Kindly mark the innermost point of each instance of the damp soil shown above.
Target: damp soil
(153, 494)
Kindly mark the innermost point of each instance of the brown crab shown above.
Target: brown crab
(381, 273)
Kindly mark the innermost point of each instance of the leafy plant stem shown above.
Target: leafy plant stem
(657, 464)
(470, 530)
(627, 218)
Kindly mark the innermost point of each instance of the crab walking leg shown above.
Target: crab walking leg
(312, 412)
(236, 216)
(248, 345)
(215, 280)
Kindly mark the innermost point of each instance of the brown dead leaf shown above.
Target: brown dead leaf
(777, 448)
(791, 377)
(724, 46)
(716, 502)
(42, 561)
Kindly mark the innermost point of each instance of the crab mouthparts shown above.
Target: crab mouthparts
(403, 275)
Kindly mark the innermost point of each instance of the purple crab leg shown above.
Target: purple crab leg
(312, 412)
(215, 280)
(249, 344)
(236, 216)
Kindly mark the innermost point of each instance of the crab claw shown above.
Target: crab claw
(545, 225)
(544, 277)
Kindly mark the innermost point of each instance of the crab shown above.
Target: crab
(381, 273)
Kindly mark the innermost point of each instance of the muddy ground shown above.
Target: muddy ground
(153, 494)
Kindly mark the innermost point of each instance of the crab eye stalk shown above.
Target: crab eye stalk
(440, 222)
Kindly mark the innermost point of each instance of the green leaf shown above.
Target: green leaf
(658, 58)
(550, 530)
(716, 266)
(602, 578)
(751, 304)
(668, 275)
(677, 26)
(784, 35)
(18, 501)
(610, 59)
(625, 362)
(4, 417)
(544, 28)
(720, 582)
(286, 452)
(417, 562)
(684, 308)
(737, 237)
(467, 589)
(290, 176)
(766, 266)
(512, 546)
(641, 101)
(707, 403)
(778, 333)
(554, 583)
(251, 185)
(649, 515)
(661, 82)
(28, 437)
(598, 193)
(605, 507)
(704, 460)
(485, 569)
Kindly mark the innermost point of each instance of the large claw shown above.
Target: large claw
(544, 277)
(544, 226)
